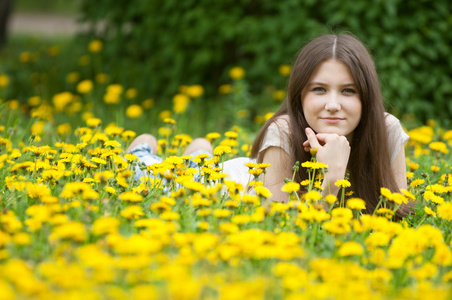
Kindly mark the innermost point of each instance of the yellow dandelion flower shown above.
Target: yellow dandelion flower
(95, 46)
(312, 196)
(256, 172)
(267, 116)
(439, 147)
(212, 136)
(204, 212)
(128, 135)
(408, 194)
(225, 89)
(105, 225)
(237, 73)
(263, 191)
(291, 187)
(221, 213)
(70, 230)
(417, 182)
(195, 91)
(131, 196)
(448, 135)
(434, 169)
(180, 103)
(102, 78)
(445, 211)
(285, 70)
(148, 103)
(220, 150)
(134, 111)
(429, 211)
(4, 80)
(350, 249)
(314, 165)
(111, 98)
(305, 182)
(279, 95)
(203, 225)
(170, 216)
(231, 134)
(413, 166)
(132, 211)
(73, 77)
(241, 219)
(22, 239)
(229, 227)
(85, 86)
(110, 190)
(342, 213)
(93, 122)
(99, 160)
(330, 199)
(342, 183)
(423, 135)
(385, 192)
(131, 93)
(356, 203)
(250, 199)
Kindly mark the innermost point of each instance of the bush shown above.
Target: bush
(162, 44)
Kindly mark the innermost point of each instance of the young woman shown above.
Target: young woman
(333, 104)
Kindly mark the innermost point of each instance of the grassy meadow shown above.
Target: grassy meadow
(75, 223)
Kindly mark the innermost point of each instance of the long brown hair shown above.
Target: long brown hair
(369, 163)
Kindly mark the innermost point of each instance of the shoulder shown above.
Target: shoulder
(393, 125)
(278, 134)
(281, 122)
(390, 120)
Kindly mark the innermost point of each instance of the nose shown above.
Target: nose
(332, 104)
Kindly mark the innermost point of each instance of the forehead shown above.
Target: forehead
(332, 69)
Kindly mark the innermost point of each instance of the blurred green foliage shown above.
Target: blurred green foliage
(165, 43)
(47, 6)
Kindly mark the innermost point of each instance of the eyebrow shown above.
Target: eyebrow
(322, 83)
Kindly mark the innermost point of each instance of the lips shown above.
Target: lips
(332, 119)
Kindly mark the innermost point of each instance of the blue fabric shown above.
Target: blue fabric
(144, 153)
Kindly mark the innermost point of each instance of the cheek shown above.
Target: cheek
(359, 108)
(309, 104)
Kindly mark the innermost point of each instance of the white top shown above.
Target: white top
(278, 136)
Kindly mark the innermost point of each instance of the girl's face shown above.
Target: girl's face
(330, 100)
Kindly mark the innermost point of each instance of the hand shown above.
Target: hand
(332, 149)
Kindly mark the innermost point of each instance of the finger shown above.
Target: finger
(325, 137)
(313, 142)
(306, 146)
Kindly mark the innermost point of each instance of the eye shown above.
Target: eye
(319, 89)
(349, 91)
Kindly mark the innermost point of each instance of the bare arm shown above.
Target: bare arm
(398, 167)
(333, 150)
(281, 167)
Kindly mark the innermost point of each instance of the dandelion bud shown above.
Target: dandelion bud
(424, 175)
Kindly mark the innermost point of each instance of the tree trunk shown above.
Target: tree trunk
(5, 11)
